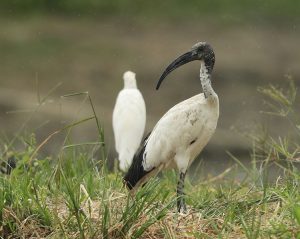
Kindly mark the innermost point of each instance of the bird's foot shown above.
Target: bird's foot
(182, 208)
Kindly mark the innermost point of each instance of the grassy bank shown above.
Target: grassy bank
(73, 195)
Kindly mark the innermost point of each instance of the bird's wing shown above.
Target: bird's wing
(173, 131)
(136, 171)
(169, 138)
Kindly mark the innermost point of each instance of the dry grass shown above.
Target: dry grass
(75, 196)
(173, 225)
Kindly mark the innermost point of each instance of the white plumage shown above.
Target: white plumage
(181, 134)
(129, 119)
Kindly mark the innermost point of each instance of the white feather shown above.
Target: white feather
(171, 142)
(129, 119)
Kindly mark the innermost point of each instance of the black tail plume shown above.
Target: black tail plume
(136, 170)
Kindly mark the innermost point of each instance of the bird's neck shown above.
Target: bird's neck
(130, 85)
(206, 83)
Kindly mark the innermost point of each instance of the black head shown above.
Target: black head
(201, 51)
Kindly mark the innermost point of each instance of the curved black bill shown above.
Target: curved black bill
(181, 60)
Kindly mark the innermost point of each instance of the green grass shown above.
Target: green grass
(74, 195)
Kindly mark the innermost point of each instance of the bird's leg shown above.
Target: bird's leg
(181, 206)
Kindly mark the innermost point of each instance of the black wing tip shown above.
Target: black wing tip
(127, 183)
(136, 170)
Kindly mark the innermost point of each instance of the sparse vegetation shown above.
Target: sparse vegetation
(74, 195)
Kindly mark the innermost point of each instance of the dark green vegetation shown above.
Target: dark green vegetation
(73, 195)
(166, 9)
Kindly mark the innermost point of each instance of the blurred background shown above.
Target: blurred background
(50, 48)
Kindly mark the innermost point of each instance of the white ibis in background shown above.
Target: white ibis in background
(129, 119)
(181, 134)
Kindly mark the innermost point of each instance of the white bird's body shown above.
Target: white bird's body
(181, 134)
(129, 120)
